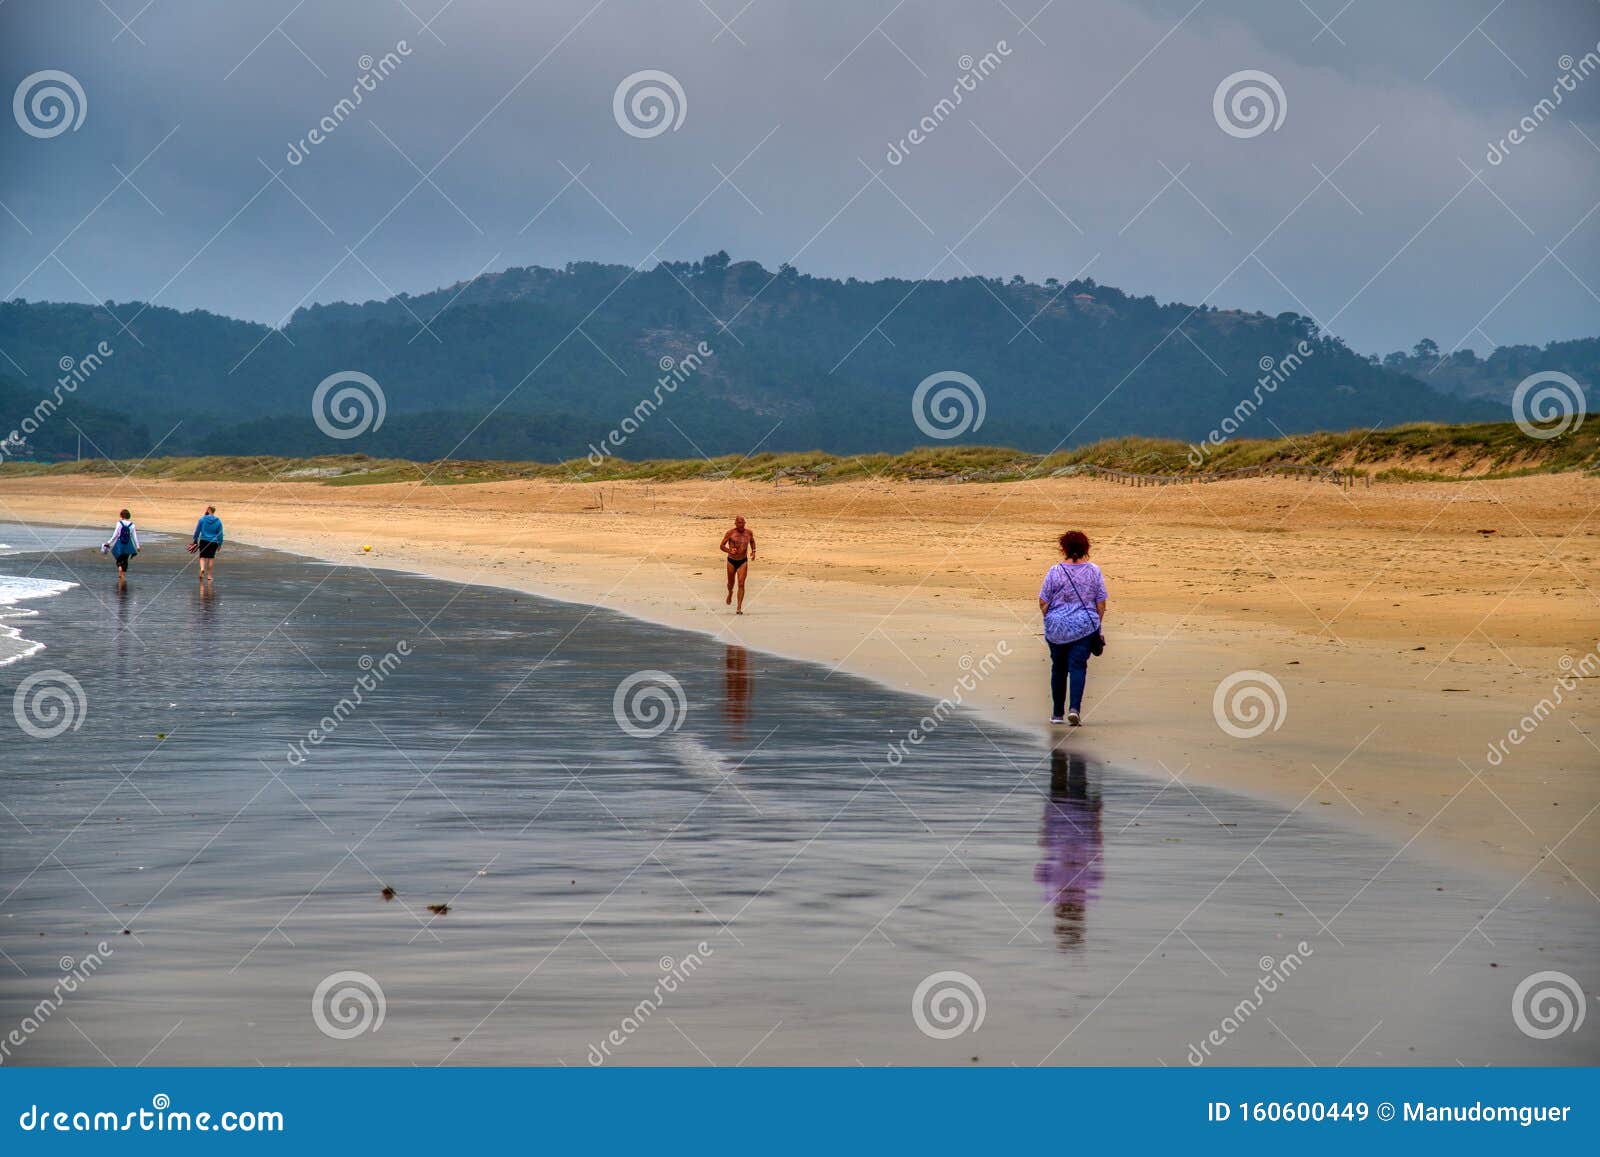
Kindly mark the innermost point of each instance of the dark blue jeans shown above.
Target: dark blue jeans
(1069, 662)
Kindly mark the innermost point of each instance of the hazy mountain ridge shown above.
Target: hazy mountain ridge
(36, 425)
(1495, 377)
(561, 357)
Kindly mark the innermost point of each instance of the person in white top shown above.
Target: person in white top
(122, 545)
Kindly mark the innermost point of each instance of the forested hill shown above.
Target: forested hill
(1496, 376)
(50, 424)
(562, 357)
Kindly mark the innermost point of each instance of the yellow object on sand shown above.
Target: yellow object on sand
(368, 548)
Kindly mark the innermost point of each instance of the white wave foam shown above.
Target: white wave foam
(13, 590)
(695, 756)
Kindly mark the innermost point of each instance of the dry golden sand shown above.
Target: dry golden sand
(1406, 641)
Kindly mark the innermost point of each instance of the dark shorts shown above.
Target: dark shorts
(736, 563)
(209, 549)
(122, 560)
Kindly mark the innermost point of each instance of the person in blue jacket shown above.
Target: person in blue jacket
(207, 541)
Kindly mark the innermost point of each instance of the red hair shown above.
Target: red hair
(1074, 544)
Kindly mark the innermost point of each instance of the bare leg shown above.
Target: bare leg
(744, 572)
(729, 599)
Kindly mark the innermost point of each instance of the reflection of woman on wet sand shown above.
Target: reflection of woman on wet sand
(1071, 870)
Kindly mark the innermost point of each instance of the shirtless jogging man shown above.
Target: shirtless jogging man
(739, 545)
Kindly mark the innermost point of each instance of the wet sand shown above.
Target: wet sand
(1107, 915)
(1407, 641)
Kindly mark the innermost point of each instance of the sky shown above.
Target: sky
(1372, 196)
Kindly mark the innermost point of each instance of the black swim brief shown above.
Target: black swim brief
(736, 563)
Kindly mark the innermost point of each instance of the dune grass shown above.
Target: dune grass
(1417, 452)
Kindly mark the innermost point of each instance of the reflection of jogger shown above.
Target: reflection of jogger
(736, 689)
(739, 545)
(1071, 869)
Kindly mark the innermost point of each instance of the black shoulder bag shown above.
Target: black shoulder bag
(1097, 641)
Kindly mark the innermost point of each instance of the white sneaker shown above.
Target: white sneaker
(1057, 720)
(1073, 720)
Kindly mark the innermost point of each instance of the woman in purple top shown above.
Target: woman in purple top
(1073, 603)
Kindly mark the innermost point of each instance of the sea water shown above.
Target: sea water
(18, 587)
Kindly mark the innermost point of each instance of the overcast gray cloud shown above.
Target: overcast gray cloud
(1090, 146)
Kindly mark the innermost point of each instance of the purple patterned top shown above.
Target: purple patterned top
(1066, 618)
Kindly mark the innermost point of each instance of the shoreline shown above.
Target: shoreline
(1382, 737)
(1079, 740)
